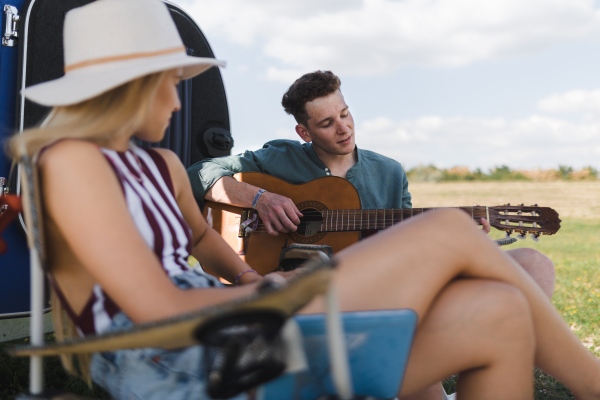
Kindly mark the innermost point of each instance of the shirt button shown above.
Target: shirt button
(326, 169)
(328, 173)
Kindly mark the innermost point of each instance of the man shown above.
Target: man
(326, 126)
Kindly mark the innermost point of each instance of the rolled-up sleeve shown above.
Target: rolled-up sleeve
(204, 174)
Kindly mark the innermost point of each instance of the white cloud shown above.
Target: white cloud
(536, 141)
(367, 37)
(579, 101)
(284, 75)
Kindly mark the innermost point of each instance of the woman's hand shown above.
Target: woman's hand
(286, 274)
(248, 277)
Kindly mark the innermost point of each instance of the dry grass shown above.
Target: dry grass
(580, 200)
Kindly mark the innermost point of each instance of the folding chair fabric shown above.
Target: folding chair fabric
(378, 344)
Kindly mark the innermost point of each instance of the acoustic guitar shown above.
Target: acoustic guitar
(333, 216)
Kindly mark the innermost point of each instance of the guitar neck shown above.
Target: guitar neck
(362, 220)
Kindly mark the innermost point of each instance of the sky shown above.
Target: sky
(445, 82)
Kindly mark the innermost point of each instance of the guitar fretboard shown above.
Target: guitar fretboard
(360, 220)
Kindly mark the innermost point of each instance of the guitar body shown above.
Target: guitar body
(261, 250)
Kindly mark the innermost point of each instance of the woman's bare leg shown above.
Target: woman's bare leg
(431, 392)
(482, 328)
(538, 266)
(409, 265)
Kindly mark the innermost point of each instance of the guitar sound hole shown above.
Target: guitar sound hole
(310, 223)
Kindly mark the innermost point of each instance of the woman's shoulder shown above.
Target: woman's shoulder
(168, 155)
(175, 168)
(173, 162)
(68, 148)
(68, 154)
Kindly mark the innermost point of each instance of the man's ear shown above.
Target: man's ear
(303, 133)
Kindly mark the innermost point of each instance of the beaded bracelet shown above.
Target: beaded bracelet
(258, 194)
(237, 278)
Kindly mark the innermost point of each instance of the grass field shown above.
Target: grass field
(575, 249)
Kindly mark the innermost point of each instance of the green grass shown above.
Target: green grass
(14, 375)
(545, 387)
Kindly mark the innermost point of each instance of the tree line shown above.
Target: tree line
(430, 173)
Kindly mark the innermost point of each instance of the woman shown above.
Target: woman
(121, 221)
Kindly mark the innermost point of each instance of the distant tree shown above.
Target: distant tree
(504, 173)
(425, 173)
(564, 171)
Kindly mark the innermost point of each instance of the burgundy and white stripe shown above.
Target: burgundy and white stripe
(151, 203)
(152, 197)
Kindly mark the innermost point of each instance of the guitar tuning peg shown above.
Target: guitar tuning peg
(536, 238)
(508, 233)
(535, 205)
(522, 204)
(521, 236)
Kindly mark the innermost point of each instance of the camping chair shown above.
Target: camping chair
(185, 330)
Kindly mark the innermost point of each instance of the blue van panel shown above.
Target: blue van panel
(14, 265)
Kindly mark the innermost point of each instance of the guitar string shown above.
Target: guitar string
(396, 218)
(384, 223)
(403, 210)
(526, 229)
(477, 211)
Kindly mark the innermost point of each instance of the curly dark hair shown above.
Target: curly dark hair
(307, 88)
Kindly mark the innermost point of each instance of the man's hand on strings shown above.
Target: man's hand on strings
(278, 213)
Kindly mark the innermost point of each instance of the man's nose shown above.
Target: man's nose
(341, 127)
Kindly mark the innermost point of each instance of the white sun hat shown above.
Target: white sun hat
(110, 42)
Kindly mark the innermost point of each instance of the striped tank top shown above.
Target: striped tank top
(149, 195)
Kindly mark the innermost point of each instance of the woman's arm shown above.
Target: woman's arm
(84, 200)
(208, 246)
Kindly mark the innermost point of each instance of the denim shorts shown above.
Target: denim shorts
(154, 373)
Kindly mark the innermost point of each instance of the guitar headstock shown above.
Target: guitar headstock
(525, 219)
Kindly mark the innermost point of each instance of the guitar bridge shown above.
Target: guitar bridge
(248, 223)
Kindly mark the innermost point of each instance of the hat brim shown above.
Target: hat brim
(86, 83)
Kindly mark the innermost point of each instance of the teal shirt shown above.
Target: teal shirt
(380, 181)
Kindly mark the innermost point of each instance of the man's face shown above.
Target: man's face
(330, 125)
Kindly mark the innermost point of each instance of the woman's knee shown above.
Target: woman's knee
(510, 315)
(474, 323)
(439, 223)
(451, 217)
(538, 266)
(496, 310)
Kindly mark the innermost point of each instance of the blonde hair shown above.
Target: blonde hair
(119, 111)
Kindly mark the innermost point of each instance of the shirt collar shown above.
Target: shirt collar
(310, 152)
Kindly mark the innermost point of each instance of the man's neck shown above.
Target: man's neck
(338, 164)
